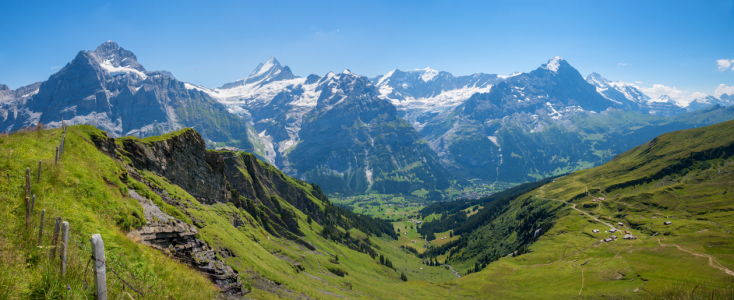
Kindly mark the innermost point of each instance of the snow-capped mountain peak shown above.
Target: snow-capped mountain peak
(707, 101)
(428, 74)
(271, 64)
(626, 94)
(115, 60)
(663, 98)
(264, 73)
(553, 64)
(597, 80)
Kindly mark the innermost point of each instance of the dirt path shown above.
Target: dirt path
(454, 272)
(727, 229)
(712, 261)
(542, 189)
(582, 282)
(581, 211)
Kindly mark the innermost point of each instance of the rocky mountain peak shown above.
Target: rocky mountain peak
(664, 98)
(271, 65)
(110, 54)
(428, 74)
(597, 80)
(554, 64)
(264, 73)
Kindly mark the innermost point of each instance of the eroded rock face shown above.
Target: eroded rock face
(183, 159)
(172, 236)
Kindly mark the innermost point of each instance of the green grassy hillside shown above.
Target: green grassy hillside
(85, 190)
(685, 177)
(323, 255)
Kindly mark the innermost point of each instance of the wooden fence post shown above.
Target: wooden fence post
(40, 229)
(39, 172)
(55, 239)
(27, 213)
(27, 182)
(64, 246)
(63, 139)
(100, 272)
(56, 160)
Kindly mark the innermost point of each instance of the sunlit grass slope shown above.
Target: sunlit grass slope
(84, 189)
(685, 177)
(87, 191)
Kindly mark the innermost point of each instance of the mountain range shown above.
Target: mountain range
(395, 133)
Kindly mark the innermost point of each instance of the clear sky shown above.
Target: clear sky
(670, 43)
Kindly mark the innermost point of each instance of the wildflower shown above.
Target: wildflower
(68, 287)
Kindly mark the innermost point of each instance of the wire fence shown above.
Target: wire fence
(108, 268)
(78, 271)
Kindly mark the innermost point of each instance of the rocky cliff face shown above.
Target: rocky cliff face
(218, 176)
(221, 177)
(183, 159)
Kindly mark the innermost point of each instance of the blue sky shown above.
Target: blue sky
(670, 43)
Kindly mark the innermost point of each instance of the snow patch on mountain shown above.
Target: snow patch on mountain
(446, 99)
(114, 71)
(508, 76)
(494, 140)
(30, 94)
(428, 74)
(269, 152)
(253, 93)
(553, 64)
(384, 78)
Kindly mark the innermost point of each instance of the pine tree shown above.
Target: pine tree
(382, 259)
(309, 220)
(403, 277)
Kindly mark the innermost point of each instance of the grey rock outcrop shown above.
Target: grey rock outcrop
(178, 239)
(183, 159)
